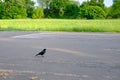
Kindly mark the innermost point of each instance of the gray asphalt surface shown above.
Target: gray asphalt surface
(70, 56)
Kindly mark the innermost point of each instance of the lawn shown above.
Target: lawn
(60, 25)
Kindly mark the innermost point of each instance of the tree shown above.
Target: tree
(83, 9)
(19, 10)
(99, 3)
(93, 2)
(1, 9)
(38, 13)
(115, 9)
(116, 1)
(71, 11)
(29, 5)
(12, 9)
(92, 12)
(95, 12)
(0, 1)
(93, 9)
(44, 3)
(16, 9)
(57, 8)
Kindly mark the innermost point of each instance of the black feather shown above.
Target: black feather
(41, 53)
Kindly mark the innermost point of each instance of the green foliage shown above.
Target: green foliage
(47, 13)
(83, 9)
(93, 9)
(16, 9)
(116, 1)
(99, 3)
(12, 9)
(38, 13)
(95, 12)
(58, 4)
(57, 8)
(29, 5)
(115, 9)
(92, 12)
(71, 11)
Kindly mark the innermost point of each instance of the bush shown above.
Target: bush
(92, 12)
(38, 13)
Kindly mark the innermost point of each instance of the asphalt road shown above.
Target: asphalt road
(70, 56)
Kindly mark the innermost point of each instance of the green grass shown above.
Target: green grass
(63, 25)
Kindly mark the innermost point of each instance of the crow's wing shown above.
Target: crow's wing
(41, 53)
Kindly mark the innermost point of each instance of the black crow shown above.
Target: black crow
(41, 53)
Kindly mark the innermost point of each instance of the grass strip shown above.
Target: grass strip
(60, 25)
